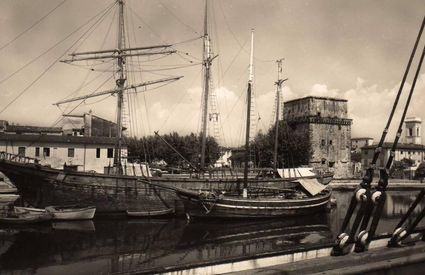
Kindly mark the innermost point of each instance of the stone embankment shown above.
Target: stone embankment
(393, 184)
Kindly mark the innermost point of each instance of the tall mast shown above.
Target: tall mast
(248, 114)
(120, 85)
(278, 92)
(207, 64)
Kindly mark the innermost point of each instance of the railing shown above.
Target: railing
(17, 158)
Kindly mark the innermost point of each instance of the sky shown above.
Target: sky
(357, 50)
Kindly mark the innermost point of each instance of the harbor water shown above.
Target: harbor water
(107, 246)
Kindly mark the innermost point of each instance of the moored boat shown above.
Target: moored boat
(8, 198)
(25, 218)
(213, 205)
(150, 213)
(71, 212)
(307, 196)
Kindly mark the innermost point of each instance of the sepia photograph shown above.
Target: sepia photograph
(212, 137)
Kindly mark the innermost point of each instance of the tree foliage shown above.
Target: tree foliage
(153, 149)
(294, 148)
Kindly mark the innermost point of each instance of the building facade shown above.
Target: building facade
(411, 147)
(72, 148)
(325, 121)
(359, 142)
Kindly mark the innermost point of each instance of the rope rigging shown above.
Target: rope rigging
(5, 45)
(105, 11)
(363, 195)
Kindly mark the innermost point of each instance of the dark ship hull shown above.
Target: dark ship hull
(42, 186)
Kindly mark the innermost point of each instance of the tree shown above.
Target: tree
(153, 148)
(294, 148)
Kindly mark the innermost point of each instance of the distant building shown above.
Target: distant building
(225, 158)
(411, 147)
(415, 152)
(359, 142)
(86, 146)
(88, 125)
(412, 130)
(324, 120)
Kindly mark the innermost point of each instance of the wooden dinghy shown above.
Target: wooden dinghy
(72, 212)
(19, 209)
(8, 198)
(26, 218)
(150, 213)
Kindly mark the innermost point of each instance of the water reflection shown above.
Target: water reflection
(111, 246)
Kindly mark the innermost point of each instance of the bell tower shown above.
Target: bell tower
(413, 130)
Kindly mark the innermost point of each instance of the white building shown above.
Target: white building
(410, 148)
(359, 142)
(87, 146)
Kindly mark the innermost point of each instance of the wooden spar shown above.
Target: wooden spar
(248, 115)
(122, 50)
(384, 133)
(278, 92)
(400, 127)
(116, 55)
(175, 150)
(113, 91)
(206, 63)
(120, 85)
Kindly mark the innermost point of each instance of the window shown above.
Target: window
(323, 142)
(37, 151)
(401, 152)
(318, 113)
(410, 132)
(339, 128)
(71, 152)
(46, 152)
(330, 142)
(97, 153)
(21, 151)
(110, 153)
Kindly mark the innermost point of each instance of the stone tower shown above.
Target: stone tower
(413, 130)
(325, 121)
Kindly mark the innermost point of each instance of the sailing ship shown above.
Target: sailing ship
(118, 190)
(255, 202)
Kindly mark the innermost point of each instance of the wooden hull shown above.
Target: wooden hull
(234, 207)
(25, 218)
(8, 198)
(111, 194)
(86, 213)
(147, 214)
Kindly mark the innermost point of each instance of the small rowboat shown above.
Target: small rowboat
(30, 210)
(151, 213)
(72, 212)
(25, 218)
(8, 198)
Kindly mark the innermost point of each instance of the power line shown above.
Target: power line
(32, 26)
(57, 59)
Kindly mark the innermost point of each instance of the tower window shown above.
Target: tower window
(97, 153)
(410, 132)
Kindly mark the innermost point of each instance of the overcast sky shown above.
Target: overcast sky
(356, 50)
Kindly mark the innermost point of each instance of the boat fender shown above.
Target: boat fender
(360, 195)
(375, 196)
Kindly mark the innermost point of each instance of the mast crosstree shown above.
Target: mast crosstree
(120, 54)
